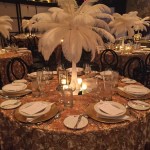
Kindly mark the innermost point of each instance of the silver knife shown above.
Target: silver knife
(78, 121)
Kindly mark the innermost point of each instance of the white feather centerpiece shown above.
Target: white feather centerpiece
(127, 24)
(5, 25)
(80, 28)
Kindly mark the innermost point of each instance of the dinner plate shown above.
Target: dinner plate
(39, 107)
(11, 88)
(54, 72)
(94, 115)
(32, 75)
(16, 94)
(108, 72)
(139, 105)
(20, 81)
(71, 121)
(136, 90)
(128, 81)
(39, 119)
(22, 48)
(10, 104)
(109, 109)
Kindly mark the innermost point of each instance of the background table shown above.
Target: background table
(54, 135)
(4, 59)
(123, 58)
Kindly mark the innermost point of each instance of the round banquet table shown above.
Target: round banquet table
(123, 58)
(4, 59)
(53, 135)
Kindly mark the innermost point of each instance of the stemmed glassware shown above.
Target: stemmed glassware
(87, 69)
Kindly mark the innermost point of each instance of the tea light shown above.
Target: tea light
(84, 87)
(79, 81)
(128, 49)
(63, 81)
(65, 87)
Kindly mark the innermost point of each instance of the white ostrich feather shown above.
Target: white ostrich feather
(42, 17)
(68, 6)
(25, 23)
(103, 16)
(5, 25)
(141, 24)
(123, 24)
(88, 9)
(75, 28)
(79, 28)
(105, 34)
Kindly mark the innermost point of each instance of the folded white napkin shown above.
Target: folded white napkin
(108, 108)
(34, 108)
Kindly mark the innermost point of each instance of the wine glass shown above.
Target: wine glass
(87, 69)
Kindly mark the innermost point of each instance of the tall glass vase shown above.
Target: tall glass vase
(74, 82)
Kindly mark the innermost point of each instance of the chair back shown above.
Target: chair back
(1, 83)
(134, 68)
(108, 60)
(147, 71)
(147, 61)
(17, 68)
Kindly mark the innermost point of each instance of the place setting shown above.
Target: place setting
(76, 122)
(15, 89)
(108, 112)
(134, 91)
(128, 81)
(139, 105)
(10, 104)
(36, 112)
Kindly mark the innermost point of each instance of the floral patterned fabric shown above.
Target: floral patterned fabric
(53, 135)
(4, 59)
(123, 58)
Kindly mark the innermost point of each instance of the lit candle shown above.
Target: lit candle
(79, 81)
(63, 81)
(61, 41)
(65, 87)
(84, 86)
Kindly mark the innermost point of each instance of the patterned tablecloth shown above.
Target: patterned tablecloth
(4, 58)
(53, 135)
(123, 58)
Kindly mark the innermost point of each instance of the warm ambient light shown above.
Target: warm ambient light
(79, 81)
(84, 86)
(61, 40)
(63, 81)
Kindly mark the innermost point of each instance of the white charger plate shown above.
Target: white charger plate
(20, 81)
(108, 72)
(22, 48)
(128, 81)
(47, 109)
(32, 75)
(10, 104)
(71, 121)
(136, 90)
(107, 115)
(139, 105)
(12, 88)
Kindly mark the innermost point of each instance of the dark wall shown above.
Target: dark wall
(119, 5)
